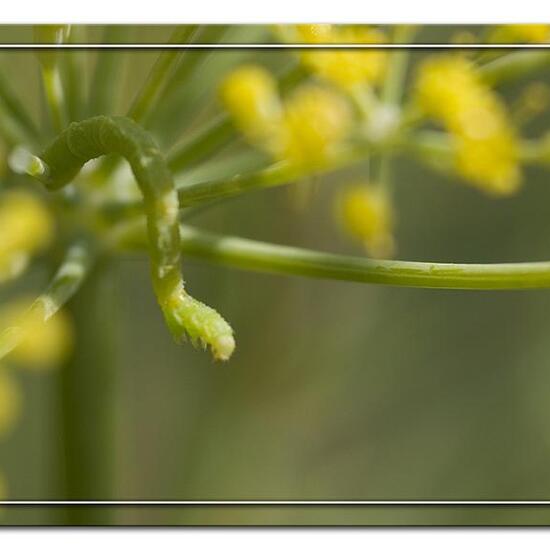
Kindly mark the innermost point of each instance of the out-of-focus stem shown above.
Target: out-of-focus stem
(147, 95)
(53, 88)
(66, 281)
(107, 73)
(18, 114)
(50, 70)
(514, 65)
(205, 142)
(392, 87)
(87, 385)
(73, 70)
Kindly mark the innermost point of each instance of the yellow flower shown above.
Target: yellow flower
(367, 213)
(43, 345)
(486, 148)
(314, 124)
(10, 402)
(250, 96)
(346, 68)
(305, 130)
(26, 228)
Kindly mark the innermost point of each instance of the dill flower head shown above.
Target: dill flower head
(26, 228)
(305, 129)
(367, 213)
(42, 345)
(486, 148)
(314, 124)
(345, 68)
(250, 96)
(10, 402)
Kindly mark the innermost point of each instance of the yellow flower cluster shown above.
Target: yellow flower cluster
(367, 213)
(42, 344)
(26, 228)
(306, 129)
(346, 68)
(486, 148)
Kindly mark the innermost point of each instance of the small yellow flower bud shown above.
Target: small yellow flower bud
(250, 95)
(26, 227)
(315, 123)
(367, 213)
(10, 402)
(486, 148)
(44, 344)
(346, 68)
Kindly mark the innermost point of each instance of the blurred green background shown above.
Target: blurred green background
(337, 390)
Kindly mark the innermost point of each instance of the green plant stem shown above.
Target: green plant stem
(67, 280)
(281, 173)
(72, 65)
(392, 90)
(11, 132)
(275, 175)
(206, 142)
(392, 87)
(87, 388)
(53, 88)
(18, 114)
(107, 73)
(264, 257)
(205, 34)
(146, 97)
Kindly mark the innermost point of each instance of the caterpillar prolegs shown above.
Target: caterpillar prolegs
(100, 135)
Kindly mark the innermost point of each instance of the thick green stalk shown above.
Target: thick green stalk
(271, 258)
(87, 395)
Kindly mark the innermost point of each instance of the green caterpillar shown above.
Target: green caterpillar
(91, 138)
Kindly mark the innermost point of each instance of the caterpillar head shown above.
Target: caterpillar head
(203, 325)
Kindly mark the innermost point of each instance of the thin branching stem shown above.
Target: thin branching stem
(66, 281)
(148, 94)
